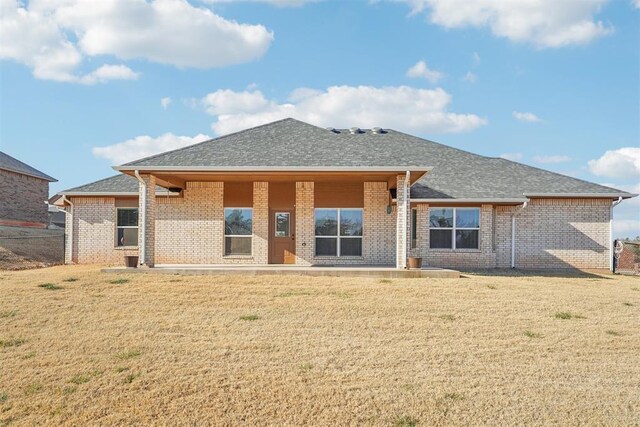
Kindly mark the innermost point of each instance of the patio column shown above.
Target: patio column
(402, 219)
(305, 229)
(146, 220)
(261, 222)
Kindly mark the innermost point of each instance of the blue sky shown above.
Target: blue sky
(550, 83)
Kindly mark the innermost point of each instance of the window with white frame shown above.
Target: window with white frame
(127, 226)
(338, 232)
(454, 228)
(238, 231)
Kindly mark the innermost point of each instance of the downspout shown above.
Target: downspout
(142, 218)
(513, 233)
(613, 205)
(65, 200)
(405, 224)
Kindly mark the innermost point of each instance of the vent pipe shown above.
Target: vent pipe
(354, 130)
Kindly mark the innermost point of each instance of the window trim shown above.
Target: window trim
(455, 228)
(338, 236)
(225, 235)
(137, 227)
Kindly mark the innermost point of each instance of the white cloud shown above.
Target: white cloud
(476, 59)
(143, 146)
(52, 37)
(421, 70)
(526, 117)
(401, 107)
(543, 23)
(514, 157)
(551, 159)
(636, 3)
(109, 72)
(623, 163)
(165, 102)
(278, 3)
(470, 77)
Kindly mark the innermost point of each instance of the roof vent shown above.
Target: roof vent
(377, 131)
(354, 130)
(334, 130)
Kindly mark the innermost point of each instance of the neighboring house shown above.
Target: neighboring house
(290, 192)
(23, 193)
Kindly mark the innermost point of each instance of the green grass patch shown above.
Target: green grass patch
(531, 334)
(3, 397)
(628, 304)
(120, 369)
(29, 355)
(71, 279)
(449, 317)
(492, 287)
(635, 289)
(614, 333)
(293, 294)
(70, 389)
(306, 366)
(131, 377)
(566, 315)
(128, 354)
(119, 281)
(7, 313)
(385, 281)
(50, 286)
(79, 379)
(453, 396)
(33, 388)
(405, 421)
(175, 280)
(12, 342)
(250, 317)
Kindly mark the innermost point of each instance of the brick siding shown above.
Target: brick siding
(23, 198)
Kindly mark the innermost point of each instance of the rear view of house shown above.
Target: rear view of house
(290, 192)
(23, 192)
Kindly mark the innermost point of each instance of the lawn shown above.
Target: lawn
(78, 346)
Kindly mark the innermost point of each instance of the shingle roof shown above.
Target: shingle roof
(456, 174)
(14, 165)
(114, 184)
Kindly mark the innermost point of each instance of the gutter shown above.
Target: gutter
(513, 233)
(143, 213)
(276, 168)
(468, 200)
(613, 205)
(114, 193)
(65, 200)
(616, 195)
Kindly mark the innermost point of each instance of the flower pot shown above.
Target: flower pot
(415, 263)
(130, 261)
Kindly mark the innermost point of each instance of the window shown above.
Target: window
(282, 224)
(454, 228)
(414, 228)
(238, 231)
(127, 226)
(338, 232)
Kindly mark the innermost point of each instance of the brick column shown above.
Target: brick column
(403, 221)
(147, 220)
(69, 235)
(305, 228)
(377, 224)
(423, 230)
(261, 222)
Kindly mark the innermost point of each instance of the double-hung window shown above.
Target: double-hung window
(454, 228)
(127, 226)
(238, 231)
(338, 232)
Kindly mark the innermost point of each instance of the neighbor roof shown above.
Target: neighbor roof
(14, 165)
(289, 143)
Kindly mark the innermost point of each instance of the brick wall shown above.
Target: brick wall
(147, 220)
(379, 226)
(305, 228)
(23, 198)
(260, 223)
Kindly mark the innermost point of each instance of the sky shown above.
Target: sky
(88, 84)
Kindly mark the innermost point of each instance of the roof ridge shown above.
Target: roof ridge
(26, 169)
(217, 138)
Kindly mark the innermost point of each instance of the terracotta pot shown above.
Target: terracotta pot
(415, 263)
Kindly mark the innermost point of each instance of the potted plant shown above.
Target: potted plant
(415, 261)
(131, 258)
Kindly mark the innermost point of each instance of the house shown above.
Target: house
(291, 192)
(23, 193)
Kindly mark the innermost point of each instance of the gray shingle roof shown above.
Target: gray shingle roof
(14, 165)
(114, 184)
(456, 174)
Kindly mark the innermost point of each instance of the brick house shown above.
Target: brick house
(290, 192)
(23, 192)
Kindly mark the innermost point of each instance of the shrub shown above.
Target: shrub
(50, 286)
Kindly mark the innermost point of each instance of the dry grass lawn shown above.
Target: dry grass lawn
(94, 348)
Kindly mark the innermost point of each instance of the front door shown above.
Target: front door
(282, 243)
